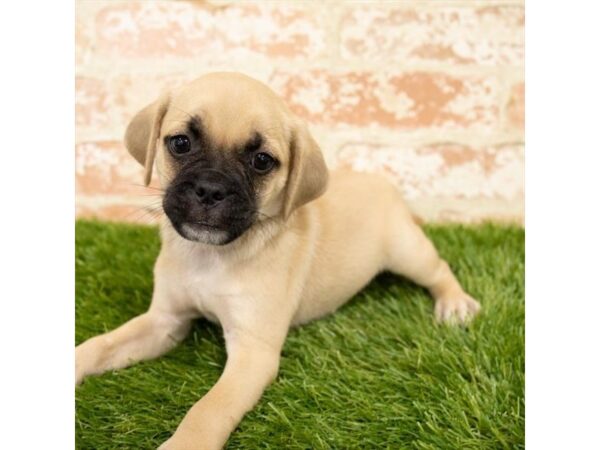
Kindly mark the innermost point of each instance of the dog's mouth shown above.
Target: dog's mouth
(205, 225)
(215, 231)
(202, 232)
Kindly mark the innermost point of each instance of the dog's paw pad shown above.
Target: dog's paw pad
(457, 309)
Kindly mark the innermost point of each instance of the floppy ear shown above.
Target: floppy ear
(308, 174)
(143, 132)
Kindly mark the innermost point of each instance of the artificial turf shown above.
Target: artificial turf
(377, 374)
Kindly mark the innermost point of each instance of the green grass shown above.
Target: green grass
(377, 374)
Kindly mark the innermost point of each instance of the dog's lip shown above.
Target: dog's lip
(204, 225)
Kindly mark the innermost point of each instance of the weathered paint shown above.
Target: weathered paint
(428, 93)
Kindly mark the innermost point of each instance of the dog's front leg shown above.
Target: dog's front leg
(144, 337)
(252, 364)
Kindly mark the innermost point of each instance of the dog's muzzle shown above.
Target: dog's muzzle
(210, 206)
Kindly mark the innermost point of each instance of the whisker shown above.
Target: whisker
(142, 212)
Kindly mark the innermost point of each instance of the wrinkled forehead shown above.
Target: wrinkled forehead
(229, 114)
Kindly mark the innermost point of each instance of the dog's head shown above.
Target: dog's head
(229, 154)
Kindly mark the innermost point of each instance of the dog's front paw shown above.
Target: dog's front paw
(188, 441)
(178, 444)
(85, 361)
(79, 366)
(459, 309)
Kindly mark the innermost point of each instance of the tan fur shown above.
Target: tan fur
(310, 253)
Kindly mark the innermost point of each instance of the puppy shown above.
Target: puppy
(257, 237)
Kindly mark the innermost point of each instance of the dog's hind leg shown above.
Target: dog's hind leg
(411, 254)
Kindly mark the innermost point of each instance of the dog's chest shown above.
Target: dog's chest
(213, 288)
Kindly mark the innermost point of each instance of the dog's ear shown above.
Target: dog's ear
(308, 174)
(143, 132)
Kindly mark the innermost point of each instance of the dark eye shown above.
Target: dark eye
(179, 144)
(262, 162)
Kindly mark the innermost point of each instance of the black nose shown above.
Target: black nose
(210, 193)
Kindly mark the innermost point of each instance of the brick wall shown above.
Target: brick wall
(429, 93)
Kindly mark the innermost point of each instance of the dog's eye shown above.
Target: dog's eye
(179, 144)
(263, 162)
